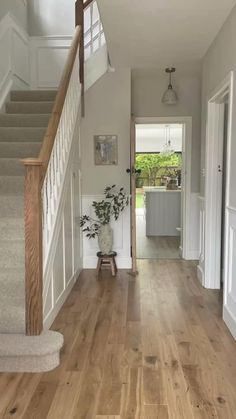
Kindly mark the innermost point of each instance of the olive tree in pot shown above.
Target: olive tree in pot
(109, 208)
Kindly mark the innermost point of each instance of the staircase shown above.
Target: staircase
(22, 128)
(39, 136)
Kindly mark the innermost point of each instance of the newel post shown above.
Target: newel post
(33, 247)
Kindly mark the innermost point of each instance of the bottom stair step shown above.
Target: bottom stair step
(20, 353)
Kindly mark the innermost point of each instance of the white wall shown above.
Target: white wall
(218, 62)
(107, 111)
(51, 17)
(148, 87)
(107, 106)
(18, 8)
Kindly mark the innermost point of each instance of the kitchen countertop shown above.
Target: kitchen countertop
(161, 190)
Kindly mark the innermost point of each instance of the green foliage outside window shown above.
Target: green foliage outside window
(158, 165)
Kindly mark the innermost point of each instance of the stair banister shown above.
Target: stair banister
(42, 190)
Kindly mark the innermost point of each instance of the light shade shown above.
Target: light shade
(170, 97)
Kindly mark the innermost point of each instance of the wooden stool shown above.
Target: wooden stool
(107, 260)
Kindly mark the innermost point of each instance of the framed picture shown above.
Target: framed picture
(105, 150)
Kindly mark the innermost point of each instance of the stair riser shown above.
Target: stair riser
(11, 206)
(7, 120)
(12, 254)
(12, 228)
(10, 299)
(12, 323)
(11, 167)
(22, 134)
(33, 96)
(10, 275)
(19, 150)
(11, 185)
(29, 107)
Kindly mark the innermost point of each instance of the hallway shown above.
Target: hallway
(154, 347)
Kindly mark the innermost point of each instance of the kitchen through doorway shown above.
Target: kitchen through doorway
(159, 185)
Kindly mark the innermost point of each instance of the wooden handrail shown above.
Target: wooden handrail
(35, 171)
(87, 3)
(79, 20)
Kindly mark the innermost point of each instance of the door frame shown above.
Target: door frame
(213, 182)
(186, 121)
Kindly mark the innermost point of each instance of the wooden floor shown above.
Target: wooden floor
(155, 247)
(148, 347)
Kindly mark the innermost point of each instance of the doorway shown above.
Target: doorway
(158, 162)
(181, 247)
(216, 184)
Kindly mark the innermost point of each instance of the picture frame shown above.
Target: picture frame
(105, 150)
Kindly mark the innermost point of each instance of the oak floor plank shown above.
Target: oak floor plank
(148, 346)
(21, 397)
(155, 412)
(41, 400)
(131, 405)
(65, 396)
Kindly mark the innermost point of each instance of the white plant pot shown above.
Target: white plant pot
(105, 239)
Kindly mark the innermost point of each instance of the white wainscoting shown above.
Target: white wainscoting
(121, 234)
(192, 250)
(201, 264)
(48, 56)
(14, 61)
(47, 60)
(65, 257)
(229, 309)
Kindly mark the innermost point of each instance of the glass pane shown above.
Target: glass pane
(103, 39)
(87, 19)
(95, 13)
(95, 45)
(95, 30)
(87, 38)
(87, 52)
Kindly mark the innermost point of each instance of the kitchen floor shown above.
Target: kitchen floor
(154, 247)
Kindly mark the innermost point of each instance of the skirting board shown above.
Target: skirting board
(200, 274)
(192, 255)
(230, 321)
(90, 262)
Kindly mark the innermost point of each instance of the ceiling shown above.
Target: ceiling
(160, 33)
(152, 138)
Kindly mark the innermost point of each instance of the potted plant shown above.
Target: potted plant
(105, 210)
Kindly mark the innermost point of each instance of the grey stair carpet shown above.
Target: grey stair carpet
(22, 128)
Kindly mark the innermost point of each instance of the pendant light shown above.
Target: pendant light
(170, 97)
(168, 150)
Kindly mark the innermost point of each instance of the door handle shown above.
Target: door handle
(134, 171)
